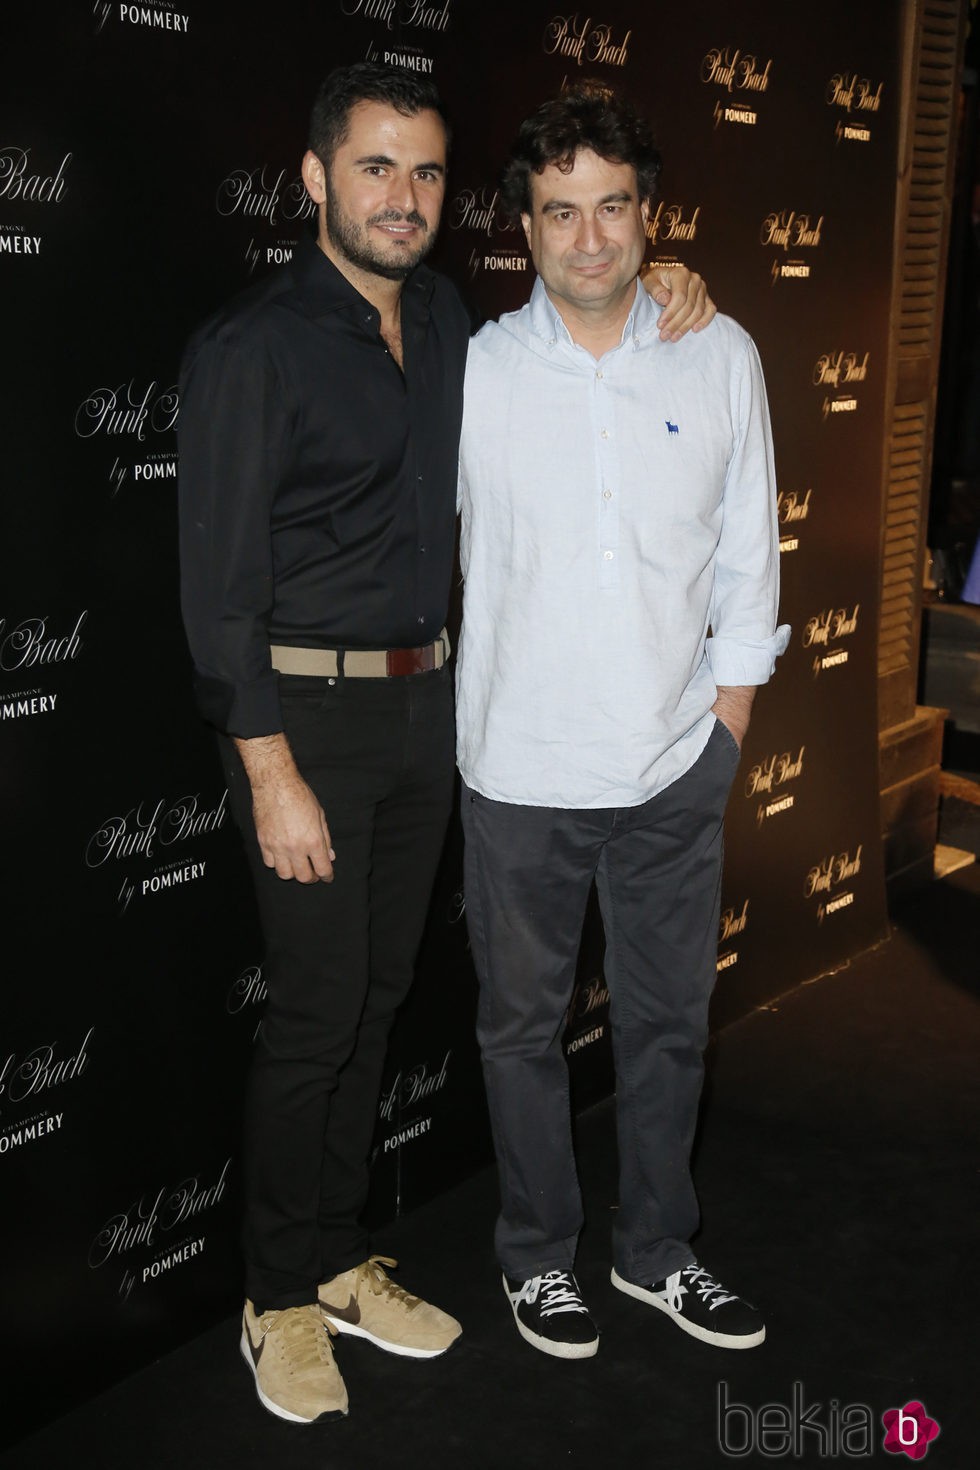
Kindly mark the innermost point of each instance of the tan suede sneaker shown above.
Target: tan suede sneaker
(291, 1356)
(366, 1303)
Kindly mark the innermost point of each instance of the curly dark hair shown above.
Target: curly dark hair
(588, 115)
(366, 81)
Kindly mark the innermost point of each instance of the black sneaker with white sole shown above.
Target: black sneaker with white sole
(701, 1306)
(551, 1315)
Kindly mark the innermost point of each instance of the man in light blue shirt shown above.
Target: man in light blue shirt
(620, 555)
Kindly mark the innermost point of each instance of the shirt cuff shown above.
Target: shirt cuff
(245, 710)
(739, 661)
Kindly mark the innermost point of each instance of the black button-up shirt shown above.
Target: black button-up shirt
(317, 480)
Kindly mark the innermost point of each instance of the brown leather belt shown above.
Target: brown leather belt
(360, 663)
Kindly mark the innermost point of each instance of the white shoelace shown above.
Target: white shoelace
(701, 1283)
(559, 1295)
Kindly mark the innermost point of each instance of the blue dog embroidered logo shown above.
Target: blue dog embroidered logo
(671, 428)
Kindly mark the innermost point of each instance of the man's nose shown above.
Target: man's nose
(589, 238)
(401, 193)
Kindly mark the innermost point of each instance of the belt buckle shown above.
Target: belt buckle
(409, 660)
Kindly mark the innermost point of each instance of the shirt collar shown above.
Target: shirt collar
(546, 321)
(324, 289)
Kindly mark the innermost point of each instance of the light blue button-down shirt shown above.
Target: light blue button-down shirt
(612, 512)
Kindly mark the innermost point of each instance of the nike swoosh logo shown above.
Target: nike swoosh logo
(351, 1313)
(255, 1351)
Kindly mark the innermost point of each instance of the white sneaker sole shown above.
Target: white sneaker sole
(400, 1349)
(547, 1345)
(271, 1404)
(703, 1334)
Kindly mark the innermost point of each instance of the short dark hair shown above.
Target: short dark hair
(588, 115)
(366, 81)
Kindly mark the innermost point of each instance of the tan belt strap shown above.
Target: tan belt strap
(360, 663)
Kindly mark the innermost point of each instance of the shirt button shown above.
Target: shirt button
(421, 620)
(598, 372)
(607, 495)
(607, 556)
(603, 433)
(421, 551)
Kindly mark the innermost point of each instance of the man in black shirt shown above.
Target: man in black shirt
(319, 428)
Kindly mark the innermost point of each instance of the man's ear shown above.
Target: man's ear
(526, 223)
(314, 177)
(644, 211)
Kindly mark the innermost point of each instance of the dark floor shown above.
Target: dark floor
(838, 1176)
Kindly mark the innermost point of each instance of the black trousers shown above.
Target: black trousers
(339, 959)
(528, 873)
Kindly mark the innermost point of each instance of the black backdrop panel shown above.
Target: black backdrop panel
(149, 168)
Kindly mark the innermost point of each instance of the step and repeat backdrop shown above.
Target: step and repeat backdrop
(149, 169)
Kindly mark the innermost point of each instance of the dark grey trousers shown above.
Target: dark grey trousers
(528, 873)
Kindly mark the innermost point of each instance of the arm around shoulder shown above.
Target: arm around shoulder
(684, 296)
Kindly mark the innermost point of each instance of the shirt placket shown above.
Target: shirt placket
(609, 478)
(414, 374)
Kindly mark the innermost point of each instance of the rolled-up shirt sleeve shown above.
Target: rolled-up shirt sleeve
(232, 437)
(745, 637)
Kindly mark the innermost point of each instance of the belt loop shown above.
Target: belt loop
(341, 652)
